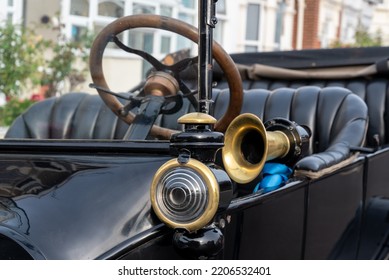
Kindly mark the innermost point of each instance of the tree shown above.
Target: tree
(28, 60)
(362, 39)
(66, 60)
(20, 58)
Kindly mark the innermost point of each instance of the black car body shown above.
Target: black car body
(81, 190)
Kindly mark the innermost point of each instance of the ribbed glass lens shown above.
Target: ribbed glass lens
(182, 195)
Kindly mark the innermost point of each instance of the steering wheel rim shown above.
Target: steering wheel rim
(165, 23)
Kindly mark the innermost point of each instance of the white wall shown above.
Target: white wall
(353, 13)
(380, 22)
(16, 10)
(122, 74)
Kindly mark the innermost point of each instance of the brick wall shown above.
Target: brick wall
(311, 24)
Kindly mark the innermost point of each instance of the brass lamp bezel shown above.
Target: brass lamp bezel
(210, 182)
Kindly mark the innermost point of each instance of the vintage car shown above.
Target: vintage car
(176, 169)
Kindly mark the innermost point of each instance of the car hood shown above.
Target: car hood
(75, 207)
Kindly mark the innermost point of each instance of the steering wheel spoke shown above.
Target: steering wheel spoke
(109, 34)
(146, 56)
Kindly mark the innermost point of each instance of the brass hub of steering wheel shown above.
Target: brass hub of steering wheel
(160, 22)
(161, 84)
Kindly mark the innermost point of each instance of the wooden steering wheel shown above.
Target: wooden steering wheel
(109, 33)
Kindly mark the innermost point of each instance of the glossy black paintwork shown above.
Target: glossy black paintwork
(80, 200)
(270, 226)
(201, 141)
(375, 222)
(203, 244)
(207, 20)
(377, 175)
(69, 206)
(333, 205)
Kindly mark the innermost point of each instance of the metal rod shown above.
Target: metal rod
(207, 21)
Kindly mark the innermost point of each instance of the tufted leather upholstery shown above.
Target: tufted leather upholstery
(337, 117)
(71, 116)
(78, 116)
(375, 92)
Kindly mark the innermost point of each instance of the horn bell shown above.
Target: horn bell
(247, 146)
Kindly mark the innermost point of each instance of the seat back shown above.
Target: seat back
(337, 118)
(373, 90)
(78, 116)
(71, 116)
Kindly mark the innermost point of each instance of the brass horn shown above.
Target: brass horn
(249, 143)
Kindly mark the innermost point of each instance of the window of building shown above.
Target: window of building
(142, 40)
(80, 16)
(113, 9)
(165, 44)
(83, 15)
(252, 22)
(11, 11)
(183, 43)
(221, 13)
(188, 15)
(279, 25)
(166, 11)
(79, 8)
(252, 34)
(188, 3)
(218, 32)
(139, 8)
(221, 7)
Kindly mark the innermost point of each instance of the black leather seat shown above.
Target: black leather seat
(373, 90)
(71, 116)
(337, 117)
(78, 116)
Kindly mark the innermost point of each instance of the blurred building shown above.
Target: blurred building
(11, 11)
(380, 22)
(330, 21)
(243, 26)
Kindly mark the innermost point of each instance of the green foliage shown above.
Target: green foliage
(66, 63)
(362, 39)
(28, 60)
(20, 57)
(12, 109)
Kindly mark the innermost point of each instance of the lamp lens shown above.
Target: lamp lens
(182, 195)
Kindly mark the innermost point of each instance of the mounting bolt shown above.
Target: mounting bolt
(222, 223)
(123, 112)
(214, 21)
(297, 151)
